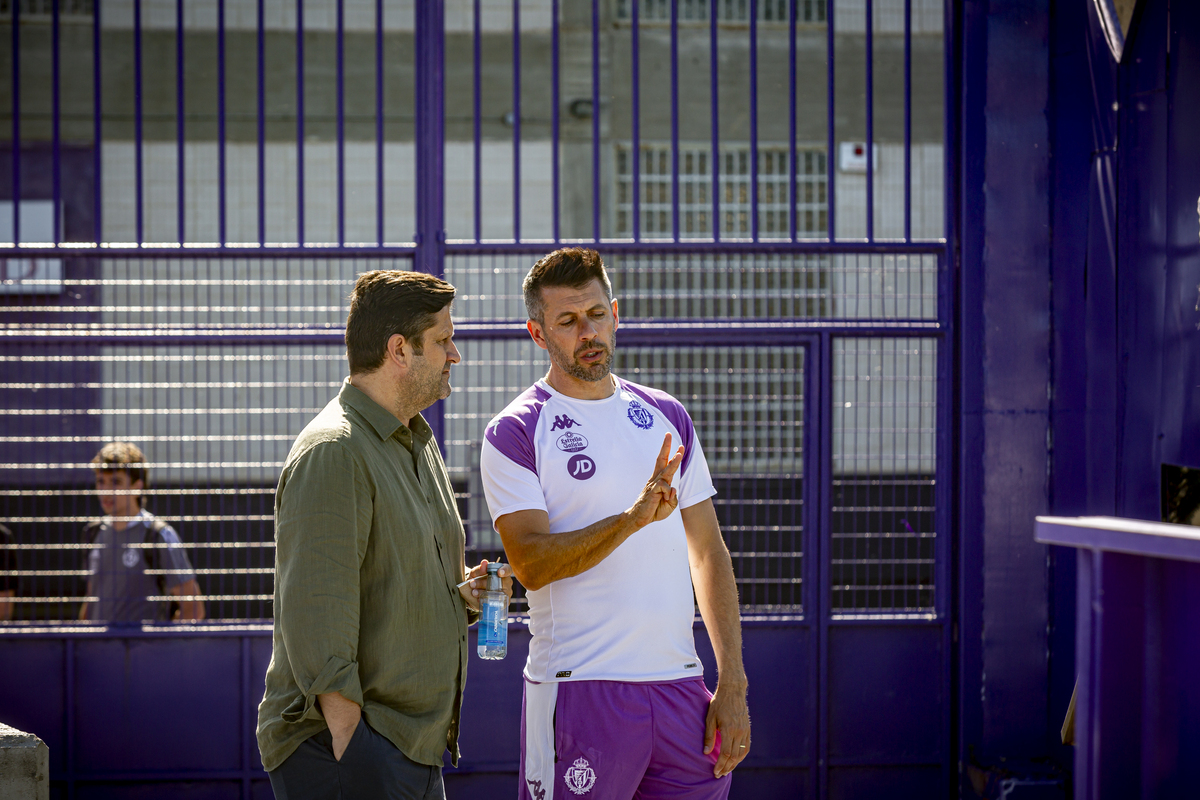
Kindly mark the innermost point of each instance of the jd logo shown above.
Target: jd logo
(581, 467)
(562, 422)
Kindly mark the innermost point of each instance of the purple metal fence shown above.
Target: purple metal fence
(854, 298)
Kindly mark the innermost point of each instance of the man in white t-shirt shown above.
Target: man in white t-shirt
(610, 531)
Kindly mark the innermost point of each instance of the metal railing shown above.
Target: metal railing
(186, 235)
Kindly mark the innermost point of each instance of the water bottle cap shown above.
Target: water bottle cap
(494, 582)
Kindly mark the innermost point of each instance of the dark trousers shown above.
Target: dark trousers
(372, 767)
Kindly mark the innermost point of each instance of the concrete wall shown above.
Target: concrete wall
(24, 765)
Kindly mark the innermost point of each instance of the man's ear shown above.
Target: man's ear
(616, 320)
(398, 351)
(536, 333)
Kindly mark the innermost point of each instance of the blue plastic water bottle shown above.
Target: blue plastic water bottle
(493, 624)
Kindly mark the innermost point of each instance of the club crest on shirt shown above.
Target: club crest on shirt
(580, 776)
(572, 442)
(130, 557)
(640, 416)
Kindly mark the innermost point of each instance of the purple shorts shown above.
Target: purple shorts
(611, 740)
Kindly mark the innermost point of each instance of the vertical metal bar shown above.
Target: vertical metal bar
(635, 112)
(138, 176)
(430, 138)
(674, 119)
(814, 426)
(908, 120)
(16, 121)
(341, 123)
(477, 99)
(554, 93)
(715, 123)
(596, 120)
(822, 595)
(221, 193)
(379, 163)
(180, 129)
(56, 89)
(430, 107)
(870, 67)
(516, 118)
(793, 167)
(753, 196)
(300, 122)
(830, 142)
(260, 46)
(97, 188)
(69, 685)
(248, 719)
(943, 498)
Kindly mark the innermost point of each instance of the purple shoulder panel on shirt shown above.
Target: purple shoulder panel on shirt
(674, 411)
(511, 432)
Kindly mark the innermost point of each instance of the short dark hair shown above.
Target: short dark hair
(386, 302)
(575, 267)
(123, 457)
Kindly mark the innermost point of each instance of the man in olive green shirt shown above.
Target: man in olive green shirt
(370, 643)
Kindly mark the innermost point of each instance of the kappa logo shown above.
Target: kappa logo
(562, 422)
(640, 416)
(580, 776)
(581, 467)
(535, 788)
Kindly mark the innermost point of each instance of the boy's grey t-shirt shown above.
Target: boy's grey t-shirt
(118, 572)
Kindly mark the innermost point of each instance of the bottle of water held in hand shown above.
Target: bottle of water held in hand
(493, 624)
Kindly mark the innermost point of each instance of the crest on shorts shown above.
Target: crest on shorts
(580, 776)
(639, 416)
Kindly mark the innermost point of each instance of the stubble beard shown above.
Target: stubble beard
(569, 364)
(427, 392)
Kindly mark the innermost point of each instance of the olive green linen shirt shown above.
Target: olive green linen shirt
(368, 549)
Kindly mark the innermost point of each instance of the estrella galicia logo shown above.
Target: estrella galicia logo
(640, 416)
(572, 442)
(562, 422)
(581, 467)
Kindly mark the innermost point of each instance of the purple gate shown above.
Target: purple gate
(766, 180)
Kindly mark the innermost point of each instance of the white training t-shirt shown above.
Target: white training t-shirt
(629, 618)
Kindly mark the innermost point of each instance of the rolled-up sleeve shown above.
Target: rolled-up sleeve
(323, 525)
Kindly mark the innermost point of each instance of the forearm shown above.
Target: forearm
(716, 589)
(716, 595)
(190, 609)
(539, 558)
(342, 716)
(6, 604)
(83, 606)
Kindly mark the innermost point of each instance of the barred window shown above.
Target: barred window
(45, 8)
(695, 187)
(727, 10)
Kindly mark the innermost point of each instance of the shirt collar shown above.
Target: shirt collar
(382, 421)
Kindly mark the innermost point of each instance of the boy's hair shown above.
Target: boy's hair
(575, 267)
(123, 457)
(386, 302)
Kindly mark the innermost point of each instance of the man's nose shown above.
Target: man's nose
(453, 356)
